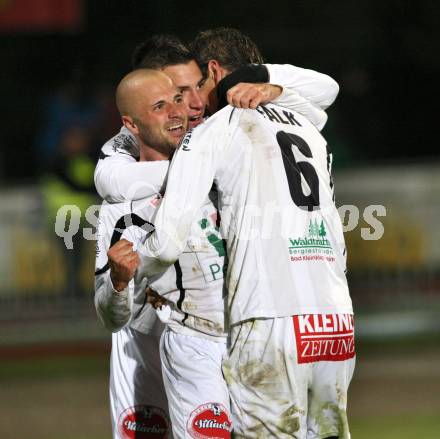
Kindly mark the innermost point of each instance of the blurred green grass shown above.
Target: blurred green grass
(395, 394)
(57, 367)
(55, 398)
(414, 426)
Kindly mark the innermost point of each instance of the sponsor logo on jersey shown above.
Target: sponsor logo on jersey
(211, 421)
(211, 230)
(312, 247)
(125, 143)
(210, 225)
(324, 337)
(143, 422)
(185, 141)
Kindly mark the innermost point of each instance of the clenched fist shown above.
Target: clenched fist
(123, 263)
(246, 95)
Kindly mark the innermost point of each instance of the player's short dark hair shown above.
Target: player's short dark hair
(160, 51)
(230, 47)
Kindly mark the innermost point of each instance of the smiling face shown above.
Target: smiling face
(161, 118)
(189, 80)
(155, 113)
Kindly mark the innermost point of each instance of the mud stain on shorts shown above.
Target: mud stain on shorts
(259, 374)
(289, 421)
(331, 417)
(284, 427)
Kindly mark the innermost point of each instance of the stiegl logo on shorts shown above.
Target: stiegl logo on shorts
(324, 337)
(211, 421)
(143, 422)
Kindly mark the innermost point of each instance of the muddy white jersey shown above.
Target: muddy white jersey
(284, 237)
(193, 285)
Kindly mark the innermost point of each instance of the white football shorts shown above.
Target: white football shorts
(139, 408)
(198, 397)
(288, 377)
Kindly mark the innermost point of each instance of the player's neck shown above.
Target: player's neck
(148, 154)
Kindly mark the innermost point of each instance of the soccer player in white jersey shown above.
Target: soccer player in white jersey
(138, 402)
(292, 341)
(197, 393)
(116, 176)
(152, 108)
(137, 396)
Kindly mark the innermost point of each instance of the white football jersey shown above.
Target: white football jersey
(119, 178)
(284, 237)
(193, 285)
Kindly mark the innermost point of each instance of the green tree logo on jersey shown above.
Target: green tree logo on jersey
(316, 231)
(322, 231)
(313, 229)
(213, 238)
(315, 241)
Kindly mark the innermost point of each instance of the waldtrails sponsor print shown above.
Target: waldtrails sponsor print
(314, 247)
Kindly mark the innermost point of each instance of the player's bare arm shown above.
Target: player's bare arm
(123, 263)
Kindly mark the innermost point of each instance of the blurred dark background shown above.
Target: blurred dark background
(60, 63)
(383, 54)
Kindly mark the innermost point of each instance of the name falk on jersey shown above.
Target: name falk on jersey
(274, 115)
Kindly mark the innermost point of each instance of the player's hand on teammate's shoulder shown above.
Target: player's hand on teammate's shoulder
(123, 263)
(247, 95)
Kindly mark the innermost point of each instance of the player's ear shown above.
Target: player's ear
(130, 124)
(215, 71)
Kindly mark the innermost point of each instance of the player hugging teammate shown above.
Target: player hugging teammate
(260, 346)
